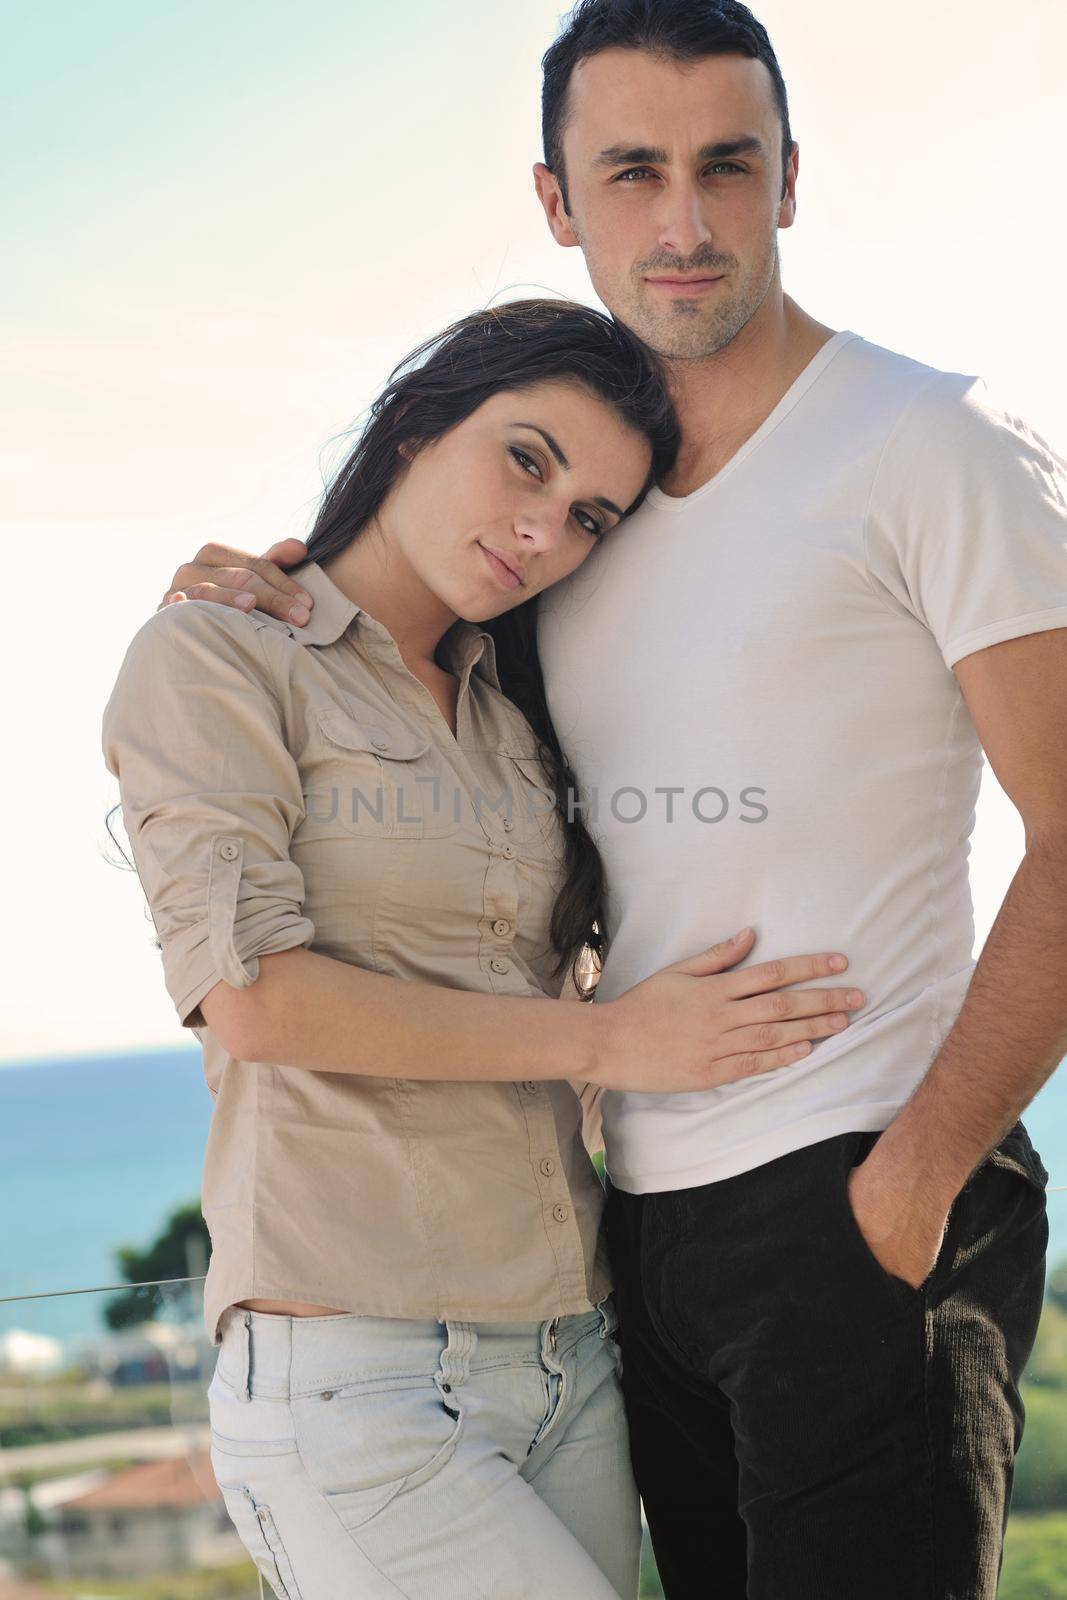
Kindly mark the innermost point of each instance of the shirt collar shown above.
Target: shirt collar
(465, 644)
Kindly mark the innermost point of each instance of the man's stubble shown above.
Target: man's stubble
(687, 330)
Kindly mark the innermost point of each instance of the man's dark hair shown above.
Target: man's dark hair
(679, 30)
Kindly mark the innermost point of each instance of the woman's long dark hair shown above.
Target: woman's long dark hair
(436, 387)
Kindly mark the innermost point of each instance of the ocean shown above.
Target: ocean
(96, 1151)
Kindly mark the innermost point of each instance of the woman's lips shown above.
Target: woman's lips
(500, 571)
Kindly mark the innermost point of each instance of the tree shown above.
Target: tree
(180, 1251)
(1057, 1285)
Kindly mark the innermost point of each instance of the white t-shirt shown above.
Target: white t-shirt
(777, 647)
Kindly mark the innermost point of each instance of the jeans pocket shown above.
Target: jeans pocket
(246, 1429)
(258, 1532)
(857, 1147)
(364, 1446)
(1005, 1209)
(1015, 1153)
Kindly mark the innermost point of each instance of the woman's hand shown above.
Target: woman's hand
(694, 1025)
(248, 583)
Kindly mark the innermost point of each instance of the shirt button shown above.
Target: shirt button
(508, 824)
(560, 1213)
(499, 965)
(548, 1166)
(500, 927)
(509, 850)
(229, 851)
(380, 744)
(530, 1087)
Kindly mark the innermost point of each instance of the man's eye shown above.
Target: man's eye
(521, 457)
(718, 166)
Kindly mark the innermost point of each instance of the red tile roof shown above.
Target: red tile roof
(172, 1482)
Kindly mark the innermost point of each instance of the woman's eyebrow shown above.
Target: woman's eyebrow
(547, 437)
(599, 500)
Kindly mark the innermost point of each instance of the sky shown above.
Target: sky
(226, 224)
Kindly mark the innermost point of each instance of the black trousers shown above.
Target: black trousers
(803, 1424)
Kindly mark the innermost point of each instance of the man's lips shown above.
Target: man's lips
(674, 285)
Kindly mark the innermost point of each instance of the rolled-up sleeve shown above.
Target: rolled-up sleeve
(211, 794)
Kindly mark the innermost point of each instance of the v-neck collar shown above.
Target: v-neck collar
(797, 389)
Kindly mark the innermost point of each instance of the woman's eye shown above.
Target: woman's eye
(590, 525)
(521, 457)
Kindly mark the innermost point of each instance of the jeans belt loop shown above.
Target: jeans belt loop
(608, 1317)
(244, 1371)
(454, 1367)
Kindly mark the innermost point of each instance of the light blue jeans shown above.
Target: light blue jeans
(370, 1457)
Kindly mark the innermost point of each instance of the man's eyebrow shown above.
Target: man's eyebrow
(599, 500)
(621, 155)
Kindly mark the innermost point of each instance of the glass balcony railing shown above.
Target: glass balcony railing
(106, 1485)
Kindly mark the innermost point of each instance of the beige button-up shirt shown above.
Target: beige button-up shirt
(287, 787)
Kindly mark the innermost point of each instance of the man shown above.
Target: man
(777, 679)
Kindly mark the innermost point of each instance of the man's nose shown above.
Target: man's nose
(684, 227)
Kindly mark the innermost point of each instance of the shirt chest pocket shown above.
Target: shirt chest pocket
(535, 819)
(378, 778)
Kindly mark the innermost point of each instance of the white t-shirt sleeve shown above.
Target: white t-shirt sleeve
(967, 522)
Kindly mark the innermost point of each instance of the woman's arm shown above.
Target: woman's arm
(309, 1010)
(665, 1035)
(211, 795)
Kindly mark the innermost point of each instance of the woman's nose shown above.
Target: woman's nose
(543, 529)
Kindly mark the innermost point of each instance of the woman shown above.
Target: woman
(357, 849)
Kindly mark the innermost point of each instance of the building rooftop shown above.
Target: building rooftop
(149, 1485)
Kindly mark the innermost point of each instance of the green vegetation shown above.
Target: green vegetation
(1048, 1364)
(46, 1413)
(651, 1588)
(1041, 1467)
(1035, 1561)
(185, 1232)
(1056, 1288)
(1035, 1558)
(237, 1581)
